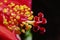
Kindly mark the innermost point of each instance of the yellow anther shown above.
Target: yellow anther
(14, 9)
(27, 13)
(24, 23)
(25, 6)
(5, 19)
(10, 22)
(30, 18)
(5, 1)
(14, 26)
(30, 22)
(26, 10)
(13, 14)
(21, 7)
(15, 20)
(5, 10)
(5, 22)
(9, 6)
(17, 7)
(11, 11)
(23, 30)
(18, 12)
(17, 17)
(12, 4)
(9, 28)
(29, 9)
(21, 13)
(1, 3)
(11, 17)
(17, 28)
(21, 25)
(32, 12)
(29, 26)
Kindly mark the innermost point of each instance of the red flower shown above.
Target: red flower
(1, 18)
(19, 2)
(5, 34)
(7, 8)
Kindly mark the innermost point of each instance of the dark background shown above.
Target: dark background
(40, 6)
(53, 18)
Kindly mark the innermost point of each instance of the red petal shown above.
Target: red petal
(19, 2)
(5, 34)
(1, 18)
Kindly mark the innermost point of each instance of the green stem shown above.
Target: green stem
(28, 35)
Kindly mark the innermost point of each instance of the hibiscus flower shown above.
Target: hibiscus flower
(5, 34)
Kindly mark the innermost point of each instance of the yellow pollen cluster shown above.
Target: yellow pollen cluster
(14, 11)
(5, 21)
(5, 1)
(5, 10)
(1, 3)
(17, 17)
(11, 5)
(11, 11)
